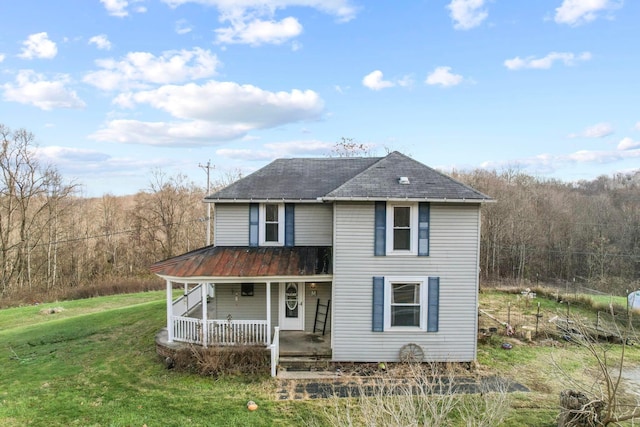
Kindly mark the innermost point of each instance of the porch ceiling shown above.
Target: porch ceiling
(217, 261)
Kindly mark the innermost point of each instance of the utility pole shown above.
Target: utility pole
(207, 169)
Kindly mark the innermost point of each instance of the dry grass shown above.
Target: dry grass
(246, 360)
(98, 288)
(427, 396)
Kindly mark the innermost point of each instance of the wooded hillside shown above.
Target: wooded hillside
(538, 230)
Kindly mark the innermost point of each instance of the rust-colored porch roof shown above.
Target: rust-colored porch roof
(219, 261)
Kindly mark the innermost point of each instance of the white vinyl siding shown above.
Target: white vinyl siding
(231, 224)
(314, 224)
(453, 257)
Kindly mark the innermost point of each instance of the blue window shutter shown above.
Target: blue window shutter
(253, 224)
(289, 224)
(380, 237)
(434, 304)
(377, 324)
(423, 229)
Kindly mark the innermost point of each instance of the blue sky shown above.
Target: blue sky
(114, 89)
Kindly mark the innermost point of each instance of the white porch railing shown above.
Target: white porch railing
(275, 351)
(186, 303)
(220, 332)
(248, 332)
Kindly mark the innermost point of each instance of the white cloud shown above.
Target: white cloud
(444, 77)
(38, 46)
(546, 62)
(187, 133)
(56, 154)
(547, 163)
(33, 89)
(375, 81)
(229, 102)
(139, 69)
(598, 130)
(119, 7)
(209, 113)
(101, 41)
(576, 12)
(467, 14)
(628, 144)
(2, 57)
(637, 127)
(116, 7)
(183, 27)
(252, 21)
(257, 32)
(342, 9)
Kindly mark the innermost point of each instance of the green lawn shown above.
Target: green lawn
(94, 364)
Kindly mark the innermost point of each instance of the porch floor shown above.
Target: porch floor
(292, 344)
(305, 344)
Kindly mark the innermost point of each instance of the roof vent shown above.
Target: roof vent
(404, 180)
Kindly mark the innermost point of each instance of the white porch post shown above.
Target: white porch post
(169, 312)
(203, 295)
(268, 313)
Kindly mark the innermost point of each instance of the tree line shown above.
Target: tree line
(51, 239)
(545, 230)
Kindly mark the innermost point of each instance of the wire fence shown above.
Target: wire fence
(524, 317)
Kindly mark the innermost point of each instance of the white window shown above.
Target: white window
(271, 224)
(405, 303)
(402, 229)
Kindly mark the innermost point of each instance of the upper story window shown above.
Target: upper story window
(402, 226)
(272, 224)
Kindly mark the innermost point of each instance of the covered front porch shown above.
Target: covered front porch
(248, 313)
(251, 296)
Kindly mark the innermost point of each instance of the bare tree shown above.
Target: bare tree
(348, 147)
(26, 196)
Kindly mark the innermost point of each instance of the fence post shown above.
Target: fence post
(537, 318)
(509, 312)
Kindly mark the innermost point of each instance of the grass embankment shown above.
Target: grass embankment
(94, 364)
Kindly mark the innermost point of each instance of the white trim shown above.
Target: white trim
(268, 290)
(262, 224)
(423, 281)
(248, 279)
(413, 232)
(406, 200)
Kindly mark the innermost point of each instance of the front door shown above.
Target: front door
(291, 306)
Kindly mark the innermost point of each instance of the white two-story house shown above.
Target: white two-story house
(378, 254)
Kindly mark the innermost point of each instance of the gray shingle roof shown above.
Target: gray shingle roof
(347, 178)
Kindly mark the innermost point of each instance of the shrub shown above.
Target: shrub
(217, 361)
